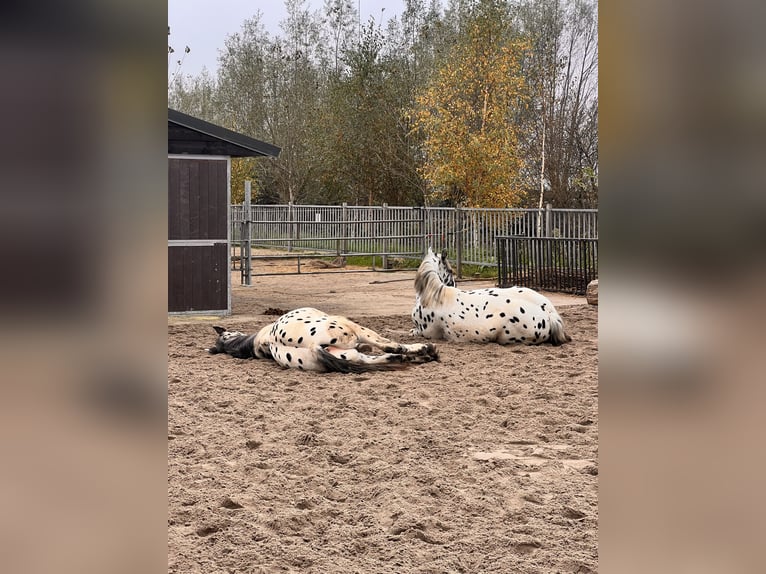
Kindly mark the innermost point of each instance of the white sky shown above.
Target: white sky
(204, 24)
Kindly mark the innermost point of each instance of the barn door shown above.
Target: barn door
(198, 228)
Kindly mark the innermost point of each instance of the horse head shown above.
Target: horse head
(434, 274)
(441, 265)
(233, 343)
(445, 271)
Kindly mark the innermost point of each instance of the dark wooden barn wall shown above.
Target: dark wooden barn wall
(197, 199)
(197, 278)
(197, 212)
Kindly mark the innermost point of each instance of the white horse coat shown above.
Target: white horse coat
(512, 315)
(310, 340)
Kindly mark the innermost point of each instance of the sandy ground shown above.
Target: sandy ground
(486, 461)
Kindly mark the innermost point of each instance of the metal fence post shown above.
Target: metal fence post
(344, 229)
(245, 265)
(290, 219)
(386, 233)
(548, 214)
(459, 240)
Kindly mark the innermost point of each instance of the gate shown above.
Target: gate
(560, 264)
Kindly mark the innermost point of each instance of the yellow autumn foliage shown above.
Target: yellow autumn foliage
(467, 118)
(242, 169)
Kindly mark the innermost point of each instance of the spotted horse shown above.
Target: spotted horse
(310, 340)
(512, 315)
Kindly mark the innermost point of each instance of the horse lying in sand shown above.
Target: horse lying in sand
(310, 340)
(512, 315)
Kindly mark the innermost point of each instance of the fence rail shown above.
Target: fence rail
(468, 234)
(549, 263)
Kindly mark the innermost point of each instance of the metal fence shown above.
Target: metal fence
(549, 263)
(468, 234)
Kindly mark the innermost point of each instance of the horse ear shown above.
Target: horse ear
(219, 330)
(444, 255)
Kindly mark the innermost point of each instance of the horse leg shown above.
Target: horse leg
(339, 359)
(370, 337)
(354, 361)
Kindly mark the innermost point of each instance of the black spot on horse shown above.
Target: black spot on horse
(502, 314)
(521, 309)
(489, 316)
(289, 357)
(333, 340)
(300, 340)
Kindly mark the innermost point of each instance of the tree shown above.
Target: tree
(179, 63)
(482, 102)
(562, 147)
(468, 114)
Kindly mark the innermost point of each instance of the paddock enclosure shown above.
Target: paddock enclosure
(537, 248)
(486, 461)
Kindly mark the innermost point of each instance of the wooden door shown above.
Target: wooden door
(198, 228)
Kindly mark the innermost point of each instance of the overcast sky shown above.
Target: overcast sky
(204, 24)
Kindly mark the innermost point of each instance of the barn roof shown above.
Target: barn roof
(190, 135)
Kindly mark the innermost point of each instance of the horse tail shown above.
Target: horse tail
(352, 361)
(559, 335)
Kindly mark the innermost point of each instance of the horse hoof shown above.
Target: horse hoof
(429, 350)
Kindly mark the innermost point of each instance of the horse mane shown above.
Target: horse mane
(429, 286)
(239, 346)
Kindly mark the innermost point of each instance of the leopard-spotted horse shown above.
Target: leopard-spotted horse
(310, 340)
(511, 315)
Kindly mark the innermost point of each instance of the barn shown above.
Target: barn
(199, 194)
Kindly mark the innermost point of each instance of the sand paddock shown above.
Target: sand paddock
(486, 461)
